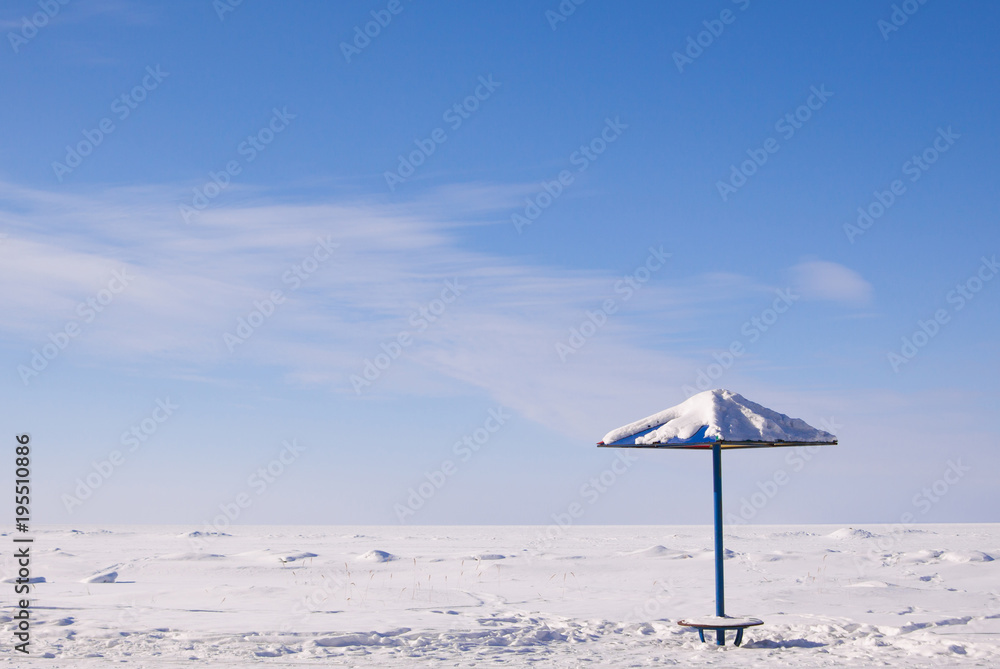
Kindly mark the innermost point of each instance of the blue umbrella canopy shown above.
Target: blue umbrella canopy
(716, 417)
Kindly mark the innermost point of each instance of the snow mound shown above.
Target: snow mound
(656, 552)
(850, 533)
(377, 556)
(785, 643)
(486, 556)
(33, 579)
(726, 553)
(652, 551)
(88, 532)
(369, 639)
(269, 555)
(921, 556)
(718, 415)
(106, 577)
(191, 556)
(966, 556)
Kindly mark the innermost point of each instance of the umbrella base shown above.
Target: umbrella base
(721, 624)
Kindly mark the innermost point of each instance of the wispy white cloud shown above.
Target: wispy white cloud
(825, 280)
(499, 335)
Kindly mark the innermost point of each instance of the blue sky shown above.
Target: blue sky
(599, 209)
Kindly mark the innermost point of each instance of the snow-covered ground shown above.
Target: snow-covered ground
(923, 596)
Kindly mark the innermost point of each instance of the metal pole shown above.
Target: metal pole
(720, 603)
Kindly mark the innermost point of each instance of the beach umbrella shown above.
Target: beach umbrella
(717, 420)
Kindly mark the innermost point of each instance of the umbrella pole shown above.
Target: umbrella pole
(720, 603)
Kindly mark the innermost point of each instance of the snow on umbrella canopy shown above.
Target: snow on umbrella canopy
(716, 416)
